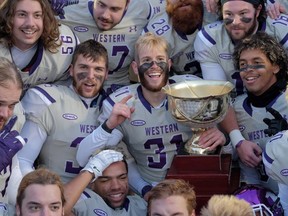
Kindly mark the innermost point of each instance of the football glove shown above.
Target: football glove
(275, 125)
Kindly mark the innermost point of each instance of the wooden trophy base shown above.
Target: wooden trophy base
(209, 174)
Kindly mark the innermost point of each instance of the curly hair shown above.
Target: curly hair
(50, 35)
(268, 45)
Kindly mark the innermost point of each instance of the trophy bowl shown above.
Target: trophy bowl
(200, 104)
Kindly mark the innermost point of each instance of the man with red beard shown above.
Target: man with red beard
(139, 114)
(179, 25)
(59, 117)
(11, 120)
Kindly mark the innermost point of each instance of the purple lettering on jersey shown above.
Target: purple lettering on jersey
(255, 135)
(162, 129)
(284, 172)
(69, 116)
(81, 28)
(104, 38)
(138, 122)
(226, 56)
(87, 128)
(100, 212)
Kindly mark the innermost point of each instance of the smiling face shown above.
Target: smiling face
(153, 68)
(88, 75)
(256, 71)
(27, 24)
(108, 13)
(112, 186)
(240, 19)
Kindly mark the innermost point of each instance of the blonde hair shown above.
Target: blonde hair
(150, 41)
(226, 205)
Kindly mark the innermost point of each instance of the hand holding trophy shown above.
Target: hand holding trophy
(200, 104)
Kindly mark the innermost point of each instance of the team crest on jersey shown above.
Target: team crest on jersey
(81, 28)
(138, 122)
(284, 172)
(69, 116)
(226, 56)
(100, 212)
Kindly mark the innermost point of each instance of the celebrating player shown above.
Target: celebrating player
(31, 37)
(11, 120)
(59, 117)
(215, 43)
(262, 63)
(179, 25)
(106, 172)
(140, 113)
(115, 24)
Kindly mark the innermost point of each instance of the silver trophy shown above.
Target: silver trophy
(200, 104)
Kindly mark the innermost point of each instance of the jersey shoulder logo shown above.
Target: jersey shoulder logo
(138, 122)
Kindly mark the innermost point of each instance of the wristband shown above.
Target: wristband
(236, 137)
(239, 143)
(104, 126)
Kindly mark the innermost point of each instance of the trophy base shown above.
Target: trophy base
(209, 174)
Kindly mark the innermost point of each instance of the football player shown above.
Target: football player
(115, 24)
(40, 192)
(107, 173)
(262, 64)
(179, 25)
(215, 43)
(30, 36)
(139, 113)
(275, 161)
(59, 117)
(11, 120)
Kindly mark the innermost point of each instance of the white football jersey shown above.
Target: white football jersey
(275, 158)
(213, 45)
(119, 41)
(47, 67)
(152, 135)
(159, 6)
(250, 121)
(93, 204)
(11, 176)
(181, 49)
(66, 119)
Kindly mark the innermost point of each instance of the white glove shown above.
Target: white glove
(98, 163)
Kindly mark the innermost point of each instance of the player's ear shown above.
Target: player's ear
(258, 10)
(134, 66)
(275, 69)
(71, 70)
(169, 63)
(18, 210)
